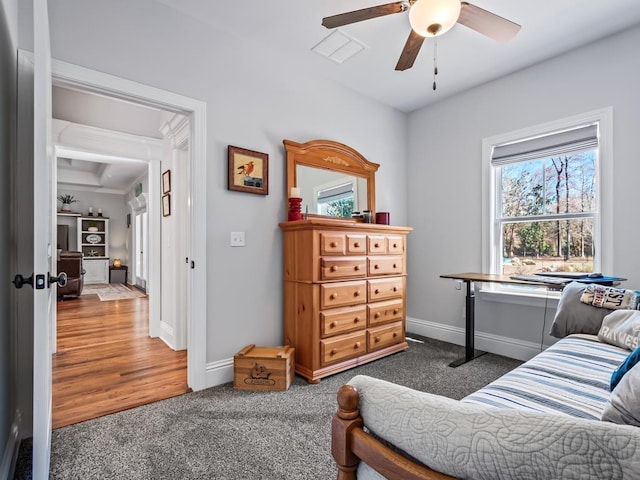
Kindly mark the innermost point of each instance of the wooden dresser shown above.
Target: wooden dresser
(344, 293)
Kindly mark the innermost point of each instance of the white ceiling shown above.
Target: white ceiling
(290, 28)
(98, 173)
(93, 170)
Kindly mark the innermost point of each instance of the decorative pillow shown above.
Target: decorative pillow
(573, 316)
(621, 328)
(609, 297)
(623, 406)
(619, 373)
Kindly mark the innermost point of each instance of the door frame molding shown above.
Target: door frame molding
(66, 74)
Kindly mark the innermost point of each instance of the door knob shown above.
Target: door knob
(61, 279)
(19, 281)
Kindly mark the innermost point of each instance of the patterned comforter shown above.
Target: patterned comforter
(571, 378)
(540, 421)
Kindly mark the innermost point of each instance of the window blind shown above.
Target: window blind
(335, 193)
(561, 143)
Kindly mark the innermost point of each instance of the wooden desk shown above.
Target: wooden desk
(470, 278)
(121, 267)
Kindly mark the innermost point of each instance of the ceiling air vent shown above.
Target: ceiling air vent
(338, 47)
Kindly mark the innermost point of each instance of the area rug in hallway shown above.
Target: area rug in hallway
(111, 291)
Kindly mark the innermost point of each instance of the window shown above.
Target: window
(547, 205)
(336, 200)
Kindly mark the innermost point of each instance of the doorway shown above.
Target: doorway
(98, 166)
(195, 280)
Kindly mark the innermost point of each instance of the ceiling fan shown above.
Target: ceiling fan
(431, 18)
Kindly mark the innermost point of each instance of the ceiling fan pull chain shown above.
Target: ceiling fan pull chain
(435, 61)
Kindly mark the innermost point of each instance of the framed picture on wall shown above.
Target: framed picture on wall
(248, 170)
(166, 205)
(166, 181)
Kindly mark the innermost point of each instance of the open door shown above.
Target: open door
(35, 300)
(141, 223)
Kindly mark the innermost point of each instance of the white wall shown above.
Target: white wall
(113, 206)
(173, 246)
(254, 100)
(445, 198)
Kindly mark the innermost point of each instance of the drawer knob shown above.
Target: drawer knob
(357, 268)
(377, 290)
(395, 334)
(333, 352)
(395, 245)
(395, 265)
(333, 325)
(333, 268)
(395, 311)
(356, 293)
(376, 267)
(333, 296)
(356, 319)
(357, 345)
(376, 245)
(357, 244)
(376, 339)
(395, 289)
(334, 244)
(377, 315)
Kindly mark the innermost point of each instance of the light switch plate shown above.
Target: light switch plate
(237, 239)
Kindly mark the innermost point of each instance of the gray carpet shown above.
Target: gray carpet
(221, 433)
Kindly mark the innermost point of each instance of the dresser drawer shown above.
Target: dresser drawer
(395, 244)
(343, 320)
(376, 244)
(382, 337)
(333, 243)
(388, 265)
(333, 268)
(342, 294)
(385, 312)
(383, 289)
(343, 347)
(356, 244)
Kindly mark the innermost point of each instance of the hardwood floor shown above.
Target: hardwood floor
(106, 361)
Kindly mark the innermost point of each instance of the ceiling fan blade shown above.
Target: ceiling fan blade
(487, 23)
(364, 14)
(410, 51)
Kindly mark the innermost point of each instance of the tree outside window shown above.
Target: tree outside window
(548, 208)
(339, 208)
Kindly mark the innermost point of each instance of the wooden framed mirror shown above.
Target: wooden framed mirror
(334, 179)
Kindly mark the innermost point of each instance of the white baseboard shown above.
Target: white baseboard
(166, 335)
(219, 372)
(11, 450)
(506, 346)
(222, 371)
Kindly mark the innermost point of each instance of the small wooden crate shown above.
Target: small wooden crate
(263, 368)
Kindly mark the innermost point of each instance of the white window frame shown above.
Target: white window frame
(603, 223)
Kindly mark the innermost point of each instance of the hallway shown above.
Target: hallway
(106, 362)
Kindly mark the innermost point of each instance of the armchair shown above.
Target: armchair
(71, 263)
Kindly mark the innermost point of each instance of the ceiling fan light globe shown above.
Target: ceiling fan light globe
(431, 18)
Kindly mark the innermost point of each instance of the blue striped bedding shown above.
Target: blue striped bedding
(571, 377)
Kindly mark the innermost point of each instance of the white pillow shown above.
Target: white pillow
(623, 406)
(621, 328)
